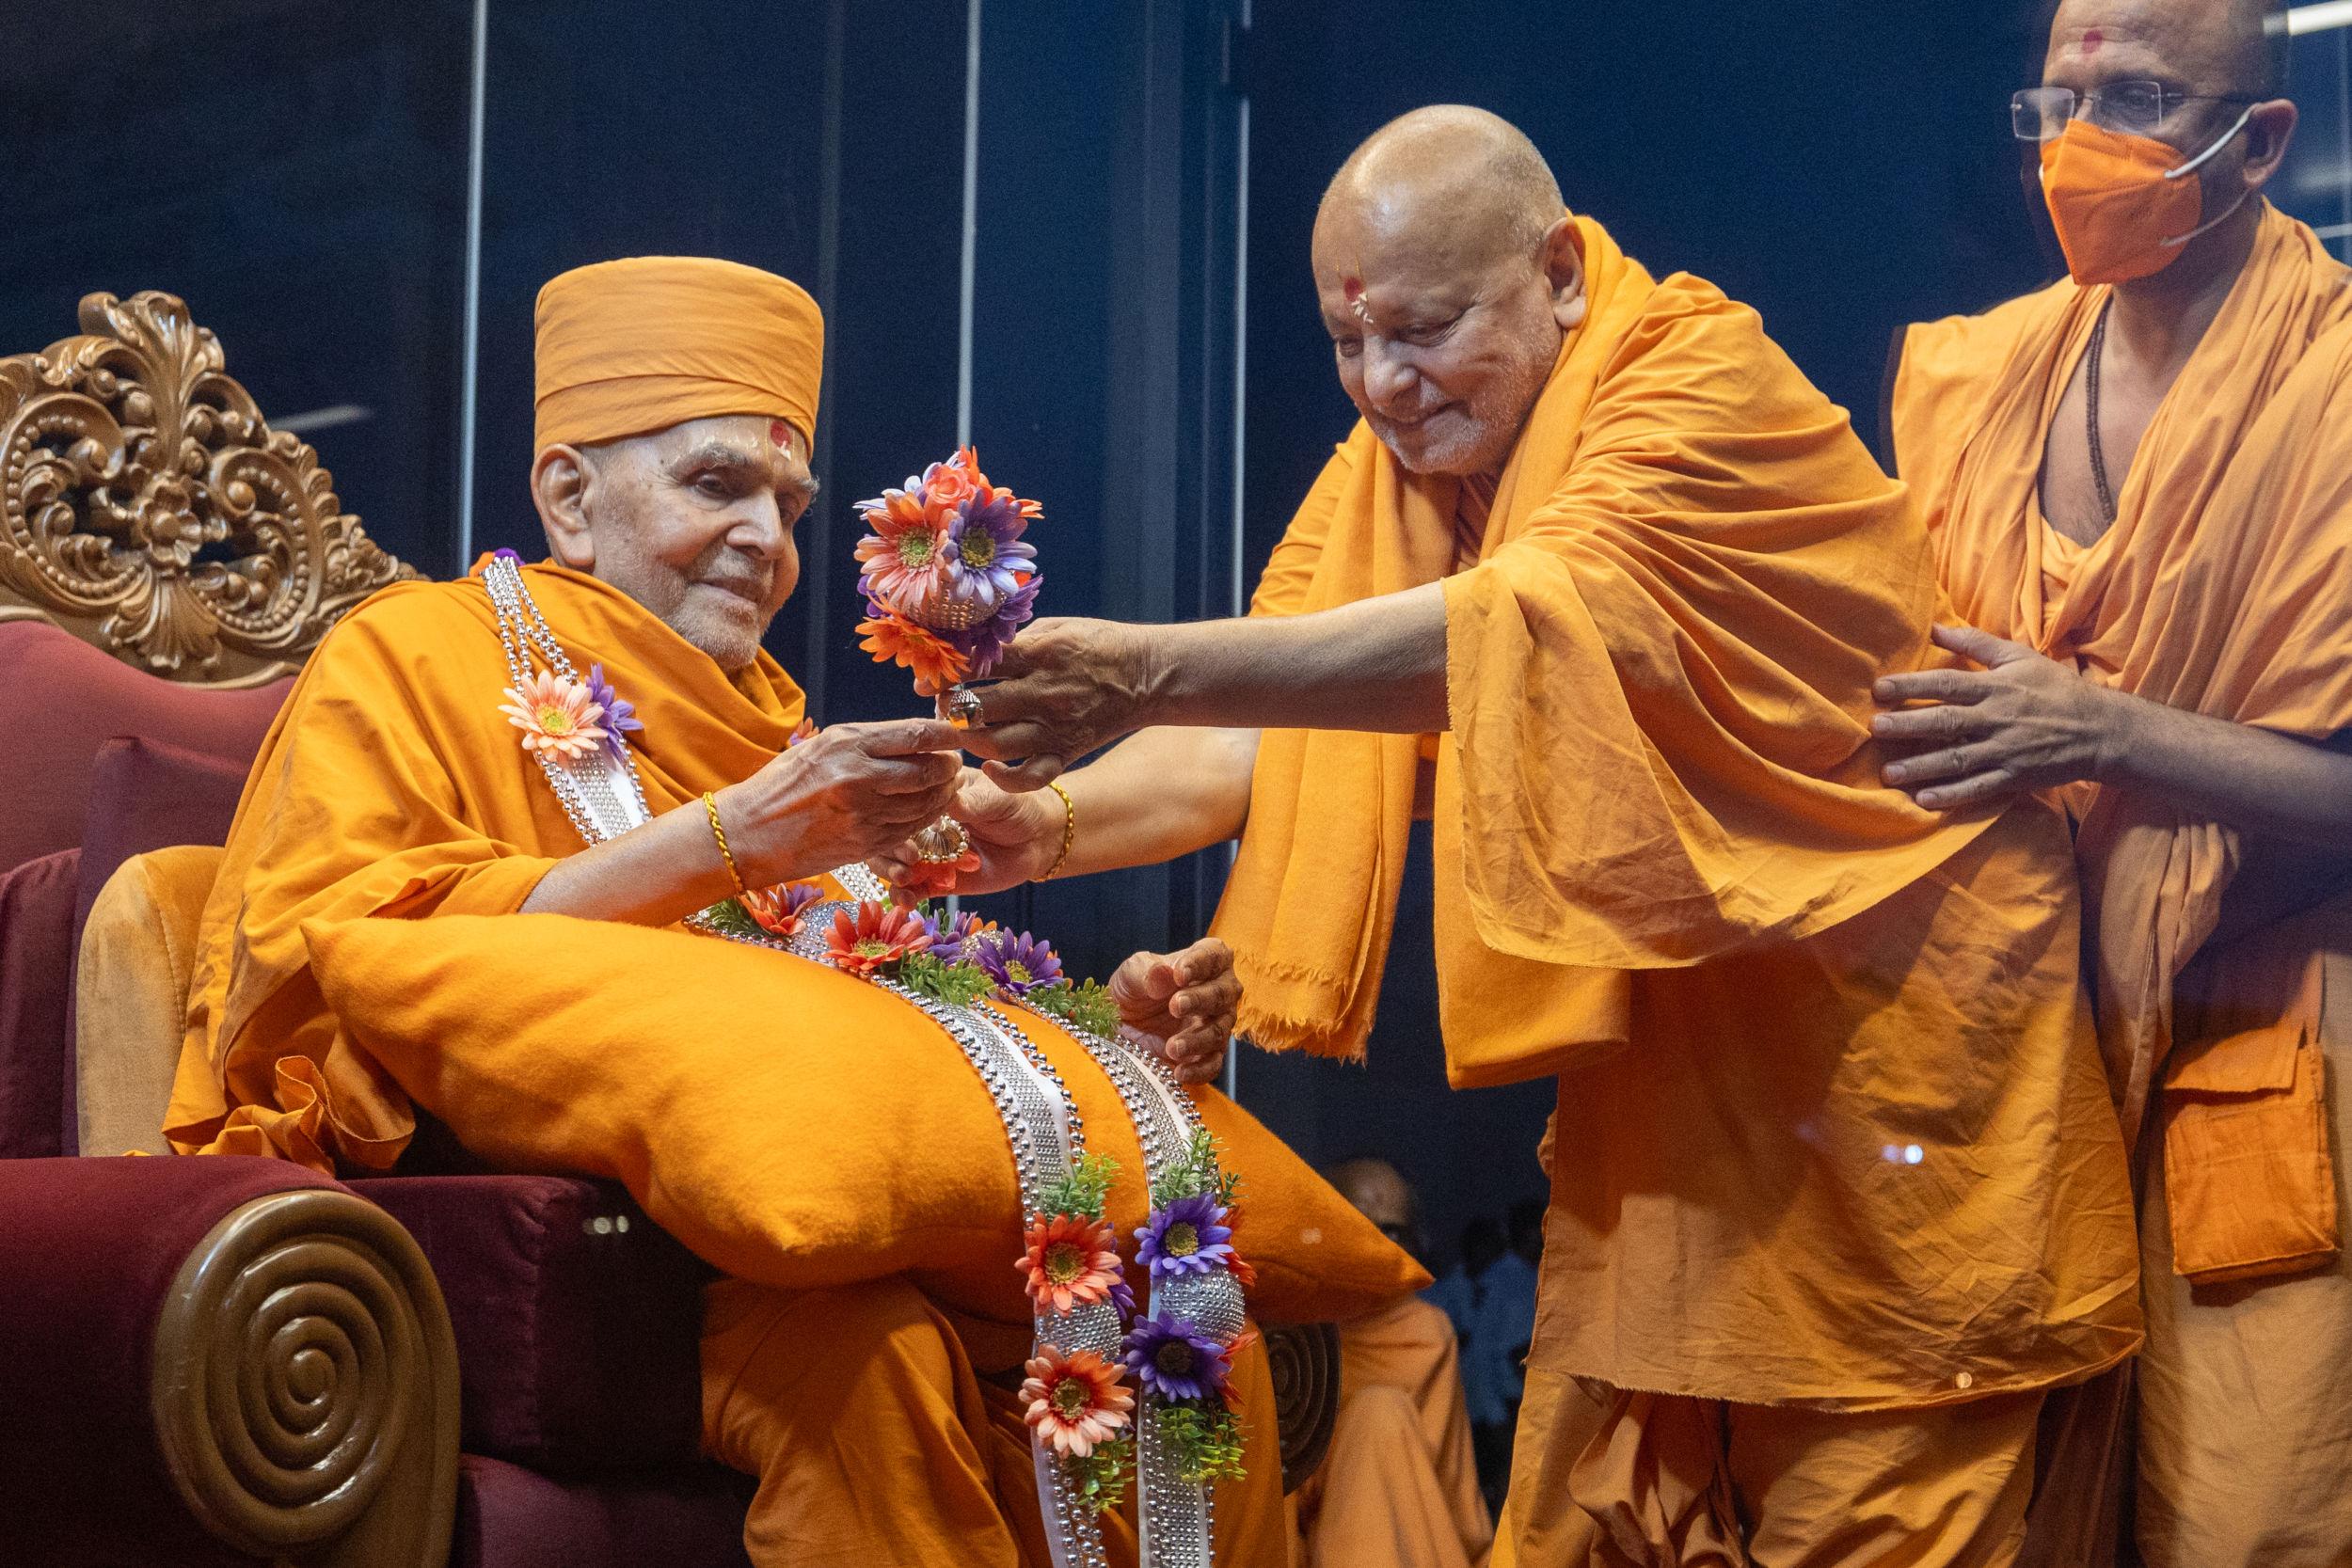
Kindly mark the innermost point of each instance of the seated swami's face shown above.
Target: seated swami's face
(695, 523)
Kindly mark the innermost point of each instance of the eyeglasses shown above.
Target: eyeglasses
(2040, 114)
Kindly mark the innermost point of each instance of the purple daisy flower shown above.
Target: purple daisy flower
(984, 643)
(1018, 964)
(1189, 1236)
(619, 712)
(985, 553)
(1172, 1359)
(1123, 1296)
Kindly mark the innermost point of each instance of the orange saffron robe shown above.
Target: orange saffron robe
(391, 785)
(1831, 1126)
(2223, 588)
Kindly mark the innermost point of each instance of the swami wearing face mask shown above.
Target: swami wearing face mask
(2140, 482)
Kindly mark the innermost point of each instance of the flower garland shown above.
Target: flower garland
(946, 575)
(1077, 1403)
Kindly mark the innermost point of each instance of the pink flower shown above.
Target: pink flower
(903, 561)
(1074, 1401)
(555, 715)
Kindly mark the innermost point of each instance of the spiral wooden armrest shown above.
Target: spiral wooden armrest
(305, 1387)
(1306, 1363)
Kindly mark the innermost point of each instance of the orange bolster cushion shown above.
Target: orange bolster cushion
(790, 1124)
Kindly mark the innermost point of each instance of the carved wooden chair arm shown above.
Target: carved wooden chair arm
(207, 1351)
(1306, 1364)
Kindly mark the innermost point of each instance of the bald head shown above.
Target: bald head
(1447, 270)
(1378, 1192)
(2227, 48)
(1450, 175)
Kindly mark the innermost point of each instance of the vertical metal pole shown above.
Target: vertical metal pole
(970, 251)
(471, 351)
(1240, 602)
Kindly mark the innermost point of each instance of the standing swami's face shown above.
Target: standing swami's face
(1442, 350)
(695, 523)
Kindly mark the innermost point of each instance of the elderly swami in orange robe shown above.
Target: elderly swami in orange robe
(1837, 1192)
(676, 400)
(2139, 484)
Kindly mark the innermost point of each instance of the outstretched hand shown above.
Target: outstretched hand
(2021, 723)
(1064, 688)
(1183, 1004)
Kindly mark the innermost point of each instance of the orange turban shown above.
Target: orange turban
(640, 344)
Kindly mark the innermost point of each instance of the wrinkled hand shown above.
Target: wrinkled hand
(1018, 837)
(840, 796)
(1183, 1004)
(1065, 687)
(2021, 724)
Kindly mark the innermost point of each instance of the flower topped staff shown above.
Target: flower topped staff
(947, 579)
(946, 575)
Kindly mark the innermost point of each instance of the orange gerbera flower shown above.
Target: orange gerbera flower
(937, 879)
(894, 639)
(1071, 1261)
(778, 909)
(555, 715)
(1074, 1401)
(874, 937)
(804, 730)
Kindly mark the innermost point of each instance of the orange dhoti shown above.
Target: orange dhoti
(1661, 1481)
(882, 1433)
(1399, 1486)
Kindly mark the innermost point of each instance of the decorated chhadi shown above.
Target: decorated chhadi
(947, 576)
(948, 579)
(1117, 1393)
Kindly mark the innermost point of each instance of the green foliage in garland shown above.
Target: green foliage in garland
(1205, 1441)
(1100, 1477)
(1086, 1005)
(1084, 1189)
(1197, 1172)
(729, 918)
(958, 984)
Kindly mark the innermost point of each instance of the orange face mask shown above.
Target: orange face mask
(2124, 205)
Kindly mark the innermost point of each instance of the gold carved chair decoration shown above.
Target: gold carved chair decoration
(147, 507)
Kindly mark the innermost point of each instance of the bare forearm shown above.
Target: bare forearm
(652, 875)
(1379, 664)
(2253, 780)
(1160, 794)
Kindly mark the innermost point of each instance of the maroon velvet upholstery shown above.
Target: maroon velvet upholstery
(148, 795)
(145, 795)
(35, 970)
(62, 699)
(87, 1249)
(510, 1518)
(578, 1320)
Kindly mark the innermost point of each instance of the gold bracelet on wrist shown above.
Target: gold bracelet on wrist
(1069, 831)
(710, 806)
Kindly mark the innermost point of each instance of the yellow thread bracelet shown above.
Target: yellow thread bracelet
(711, 806)
(1069, 829)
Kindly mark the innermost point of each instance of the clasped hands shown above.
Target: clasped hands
(859, 792)
(1964, 738)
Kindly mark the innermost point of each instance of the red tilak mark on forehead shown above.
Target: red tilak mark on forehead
(780, 432)
(1353, 288)
(2092, 40)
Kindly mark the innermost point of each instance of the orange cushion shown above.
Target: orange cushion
(793, 1125)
